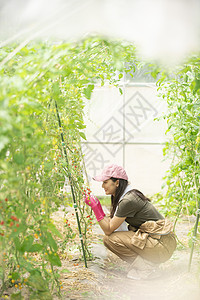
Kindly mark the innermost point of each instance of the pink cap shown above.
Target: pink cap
(112, 171)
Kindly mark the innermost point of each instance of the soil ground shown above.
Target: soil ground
(105, 277)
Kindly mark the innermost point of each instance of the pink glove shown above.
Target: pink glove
(94, 203)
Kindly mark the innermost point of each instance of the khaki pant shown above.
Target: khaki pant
(120, 244)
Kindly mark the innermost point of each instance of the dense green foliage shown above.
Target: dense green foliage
(181, 91)
(34, 170)
(33, 165)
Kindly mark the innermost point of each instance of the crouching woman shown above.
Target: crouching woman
(135, 231)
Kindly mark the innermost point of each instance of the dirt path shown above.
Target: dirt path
(105, 277)
(174, 283)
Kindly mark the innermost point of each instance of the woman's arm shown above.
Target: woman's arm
(109, 225)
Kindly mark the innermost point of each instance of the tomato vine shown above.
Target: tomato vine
(181, 91)
(33, 165)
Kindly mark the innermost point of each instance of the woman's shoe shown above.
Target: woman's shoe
(143, 269)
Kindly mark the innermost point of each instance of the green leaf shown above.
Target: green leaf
(36, 281)
(22, 228)
(36, 248)
(196, 85)
(54, 230)
(121, 92)
(27, 244)
(54, 259)
(80, 125)
(88, 91)
(17, 243)
(26, 265)
(15, 275)
(82, 134)
(51, 241)
(56, 89)
(19, 158)
(65, 271)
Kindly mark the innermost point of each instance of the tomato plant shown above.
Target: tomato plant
(181, 91)
(43, 87)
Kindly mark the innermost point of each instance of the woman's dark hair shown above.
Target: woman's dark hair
(119, 191)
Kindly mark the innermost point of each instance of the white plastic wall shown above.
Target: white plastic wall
(121, 129)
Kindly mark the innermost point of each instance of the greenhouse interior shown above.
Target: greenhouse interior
(99, 149)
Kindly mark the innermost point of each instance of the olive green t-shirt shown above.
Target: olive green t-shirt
(136, 210)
